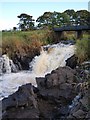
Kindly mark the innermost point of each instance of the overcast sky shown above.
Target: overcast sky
(10, 10)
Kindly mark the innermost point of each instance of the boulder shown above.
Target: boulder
(21, 104)
(56, 92)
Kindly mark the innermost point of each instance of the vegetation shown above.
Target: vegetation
(82, 49)
(25, 42)
(26, 22)
(28, 38)
(51, 20)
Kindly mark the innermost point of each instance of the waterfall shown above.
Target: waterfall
(51, 57)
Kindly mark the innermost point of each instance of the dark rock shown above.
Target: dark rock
(57, 84)
(40, 82)
(21, 104)
(71, 42)
(62, 111)
(21, 113)
(56, 92)
(72, 62)
(51, 99)
(79, 114)
(51, 80)
(46, 108)
(22, 61)
(88, 115)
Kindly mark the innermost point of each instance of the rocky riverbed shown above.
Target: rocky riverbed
(63, 94)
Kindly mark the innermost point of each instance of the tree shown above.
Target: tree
(44, 20)
(26, 22)
(53, 19)
(14, 28)
(72, 15)
(82, 17)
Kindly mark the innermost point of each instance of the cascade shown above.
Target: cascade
(50, 58)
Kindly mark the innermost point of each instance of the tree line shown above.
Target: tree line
(54, 19)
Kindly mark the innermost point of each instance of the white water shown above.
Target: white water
(6, 65)
(51, 59)
(48, 60)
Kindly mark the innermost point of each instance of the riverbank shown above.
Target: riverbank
(23, 46)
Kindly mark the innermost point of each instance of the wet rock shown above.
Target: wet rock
(21, 104)
(72, 61)
(80, 104)
(23, 60)
(72, 42)
(84, 101)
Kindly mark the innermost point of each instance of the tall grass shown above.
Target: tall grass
(30, 42)
(82, 49)
(25, 42)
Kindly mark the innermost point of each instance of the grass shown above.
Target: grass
(25, 42)
(30, 42)
(82, 49)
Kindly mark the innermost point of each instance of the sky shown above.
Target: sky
(10, 10)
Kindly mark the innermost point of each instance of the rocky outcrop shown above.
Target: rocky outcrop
(55, 97)
(41, 102)
(56, 92)
(22, 61)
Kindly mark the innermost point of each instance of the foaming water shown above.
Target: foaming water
(6, 65)
(9, 83)
(51, 57)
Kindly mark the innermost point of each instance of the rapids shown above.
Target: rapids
(51, 57)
